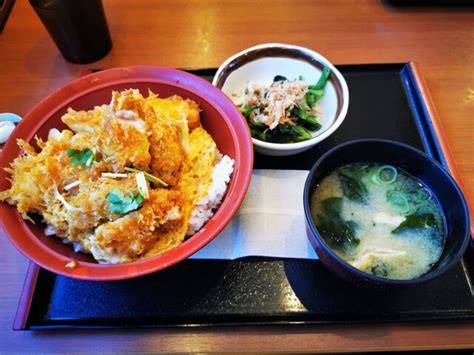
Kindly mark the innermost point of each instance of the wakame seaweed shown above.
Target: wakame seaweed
(337, 232)
(352, 185)
(416, 220)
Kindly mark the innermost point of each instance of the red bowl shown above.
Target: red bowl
(219, 117)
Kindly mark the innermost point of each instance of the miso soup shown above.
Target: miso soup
(379, 219)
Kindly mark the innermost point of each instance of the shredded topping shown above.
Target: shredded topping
(71, 265)
(114, 175)
(274, 103)
(72, 185)
(284, 111)
(141, 184)
(66, 204)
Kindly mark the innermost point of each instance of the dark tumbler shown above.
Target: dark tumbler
(78, 27)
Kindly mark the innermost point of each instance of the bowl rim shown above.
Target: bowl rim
(21, 236)
(364, 275)
(318, 57)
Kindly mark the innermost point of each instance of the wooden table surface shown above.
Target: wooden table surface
(202, 33)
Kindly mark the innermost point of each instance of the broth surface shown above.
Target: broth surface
(379, 219)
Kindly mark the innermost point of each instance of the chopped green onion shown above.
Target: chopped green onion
(72, 185)
(152, 178)
(114, 175)
(142, 185)
(385, 175)
(398, 201)
(424, 194)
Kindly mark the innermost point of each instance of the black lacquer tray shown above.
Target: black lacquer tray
(386, 101)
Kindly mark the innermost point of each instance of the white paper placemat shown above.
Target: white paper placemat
(270, 221)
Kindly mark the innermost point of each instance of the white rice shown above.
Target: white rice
(78, 247)
(205, 207)
(49, 230)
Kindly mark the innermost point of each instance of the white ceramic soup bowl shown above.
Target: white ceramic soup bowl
(260, 64)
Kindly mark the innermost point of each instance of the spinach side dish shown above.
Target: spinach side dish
(285, 111)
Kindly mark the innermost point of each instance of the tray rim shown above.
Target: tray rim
(444, 151)
(26, 297)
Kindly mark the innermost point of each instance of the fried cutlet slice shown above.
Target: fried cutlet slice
(117, 133)
(85, 121)
(90, 199)
(132, 235)
(125, 142)
(34, 174)
(150, 134)
(196, 174)
(176, 108)
(169, 139)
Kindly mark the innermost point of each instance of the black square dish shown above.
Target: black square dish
(386, 101)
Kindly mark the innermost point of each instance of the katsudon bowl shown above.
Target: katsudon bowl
(218, 116)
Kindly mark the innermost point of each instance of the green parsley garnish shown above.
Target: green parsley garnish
(121, 203)
(85, 156)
